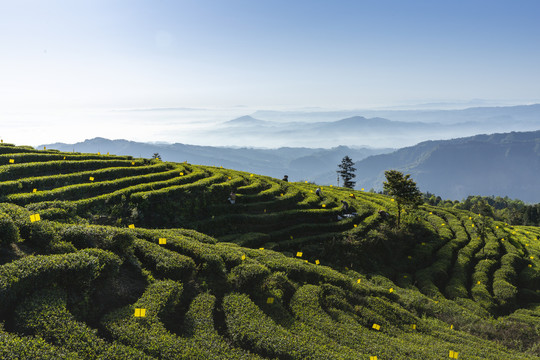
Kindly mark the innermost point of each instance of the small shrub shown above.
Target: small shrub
(9, 232)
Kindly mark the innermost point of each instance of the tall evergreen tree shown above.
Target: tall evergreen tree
(346, 171)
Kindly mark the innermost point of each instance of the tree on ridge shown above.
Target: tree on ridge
(346, 171)
(403, 189)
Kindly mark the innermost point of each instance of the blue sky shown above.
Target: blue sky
(56, 56)
(267, 53)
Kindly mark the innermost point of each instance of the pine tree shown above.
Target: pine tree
(346, 171)
(156, 156)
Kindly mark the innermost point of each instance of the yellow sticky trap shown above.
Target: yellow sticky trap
(355, 225)
(44, 148)
(362, 189)
(299, 254)
(443, 224)
(261, 248)
(34, 218)
(99, 153)
(392, 200)
(317, 262)
(331, 185)
(391, 290)
(430, 213)
(306, 181)
(91, 178)
(181, 174)
(452, 327)
(11, 161)
(291, 237)
(264, 210)
(413, 326)
(358, 281)
(162, 241)
(409, 257)
(243, 257)
(497, 226)
(478, 282)
(532, 257)
(376, 327)
(472, 225)
(230, 178)
(423, 244)
(140, 312)
(270, 300)
(526, 244)
(470, 217)
(250, 175)
(131, 226)
(281, 194)
(373, 358)
(323, 205)
(405, 276)
(530, 265)
(132, 163)
(453, 354)
(306, 261)
(107, 153)
(35, 190)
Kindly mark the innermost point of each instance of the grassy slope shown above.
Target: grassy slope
(228, 282)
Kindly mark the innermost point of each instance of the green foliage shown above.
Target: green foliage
(69, 287)
(9, 232)
(346, 171)
(248, 276)
(163, 262)
(403, 189)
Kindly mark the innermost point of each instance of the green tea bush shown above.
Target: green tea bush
(248, 276)
(249, 327)
(9, 232)
(199, 323)
(48, 182)
(45, 314)
(165, 263)
(73, 270)
(16, 171)
(16, 347)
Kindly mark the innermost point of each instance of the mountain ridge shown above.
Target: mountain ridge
(503, 164)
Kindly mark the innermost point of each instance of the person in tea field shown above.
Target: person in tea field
(345, 207)
(286, 178)
(318, 192)
(383, 214)
(232, 196)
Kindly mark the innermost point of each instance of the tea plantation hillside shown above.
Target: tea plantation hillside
(111, 257)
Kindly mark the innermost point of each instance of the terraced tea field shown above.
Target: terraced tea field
(111, 257)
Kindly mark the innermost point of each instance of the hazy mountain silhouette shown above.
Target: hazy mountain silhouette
(298, 163)
(374, 128)
(505, 164)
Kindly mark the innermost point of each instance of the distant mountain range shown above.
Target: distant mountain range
(499, 164)
(298, 163)
(374, 128)
(506, 164)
